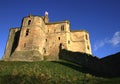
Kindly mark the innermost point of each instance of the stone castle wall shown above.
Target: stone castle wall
(38, 39)
(80, 41)
(11, 43)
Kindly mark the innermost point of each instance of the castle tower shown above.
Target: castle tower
(32, 33)
(79, 41)
(32, 36)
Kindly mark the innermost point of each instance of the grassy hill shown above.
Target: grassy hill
(57, 72)
(113, 59)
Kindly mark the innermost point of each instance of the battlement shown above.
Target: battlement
(66, 21)
(79, 31)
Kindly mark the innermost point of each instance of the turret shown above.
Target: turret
(46, 18)
(32, 34)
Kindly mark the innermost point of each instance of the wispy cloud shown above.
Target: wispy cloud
(99, 44)
(114, 41)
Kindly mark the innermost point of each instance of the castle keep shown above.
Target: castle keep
(38, 39)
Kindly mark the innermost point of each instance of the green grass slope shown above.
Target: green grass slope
(59, 72)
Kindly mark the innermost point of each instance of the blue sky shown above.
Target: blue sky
(101, 18)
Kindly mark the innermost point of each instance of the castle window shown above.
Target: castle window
(58, 38)
(27, 32)
(69, 42)
(46, 40)
(24, 45)
(86, 37)
(88, 47)
(44, 50)
(54, 30)
(62, 28)
(29, 22)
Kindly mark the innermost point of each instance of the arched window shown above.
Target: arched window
(29, 22)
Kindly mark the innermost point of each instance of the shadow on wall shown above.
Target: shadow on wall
(15, 42)
(94, 65)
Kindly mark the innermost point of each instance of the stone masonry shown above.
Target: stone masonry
(38, 39)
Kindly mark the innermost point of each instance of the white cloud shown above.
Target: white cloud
(99, 45)
(114, 41)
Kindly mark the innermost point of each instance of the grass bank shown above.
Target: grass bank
(59, 72)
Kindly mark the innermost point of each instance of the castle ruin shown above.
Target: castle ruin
(38, 39)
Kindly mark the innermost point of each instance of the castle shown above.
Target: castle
(38, 39)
